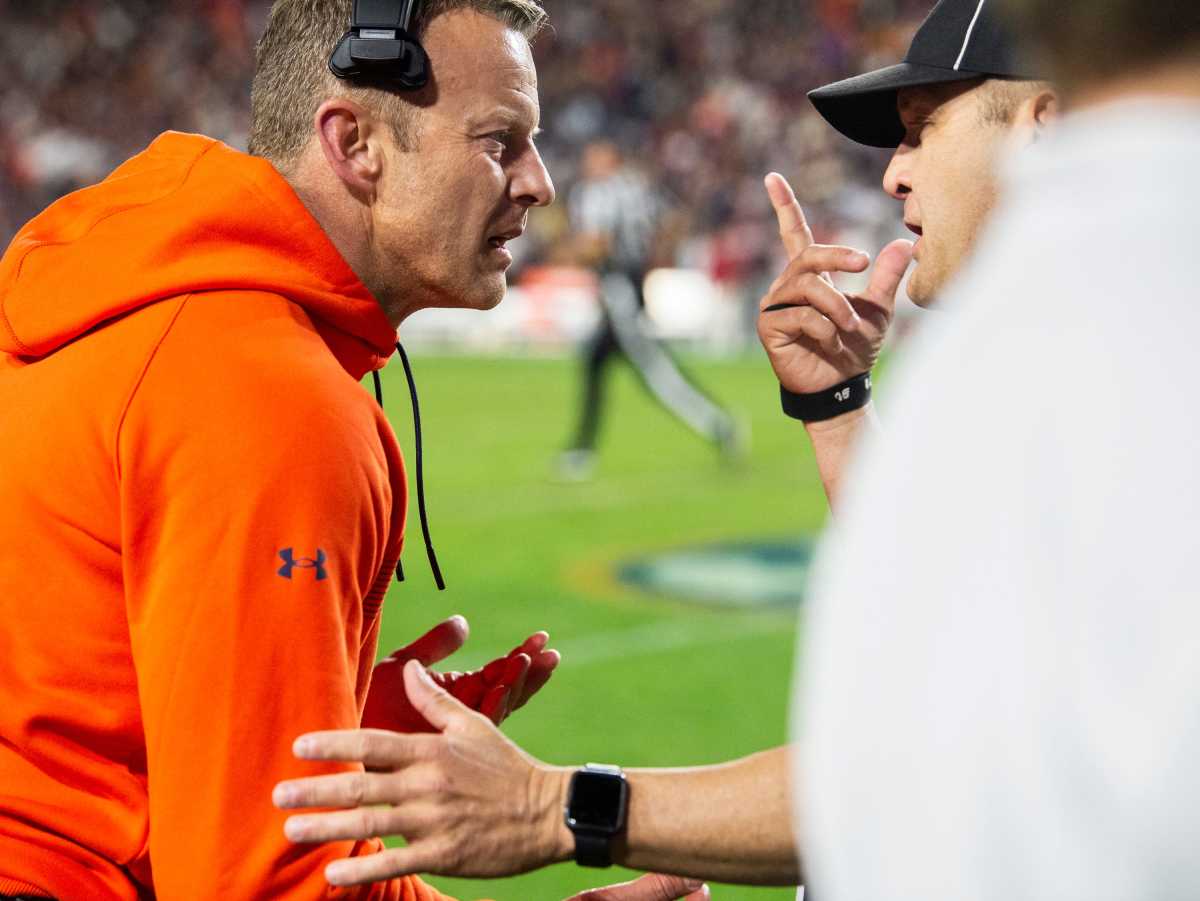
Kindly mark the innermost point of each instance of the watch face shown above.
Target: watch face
(597, 801)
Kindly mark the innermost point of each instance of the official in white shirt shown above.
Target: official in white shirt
(1001, 690)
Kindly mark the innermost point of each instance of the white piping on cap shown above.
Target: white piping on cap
(967, 39)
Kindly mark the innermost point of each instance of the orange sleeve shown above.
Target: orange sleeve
(257, 494)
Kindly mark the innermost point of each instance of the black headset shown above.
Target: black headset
(379, 48)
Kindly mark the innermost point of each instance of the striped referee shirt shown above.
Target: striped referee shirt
(623, 206)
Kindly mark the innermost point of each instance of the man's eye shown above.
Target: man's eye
(914, 129)
(499, 140)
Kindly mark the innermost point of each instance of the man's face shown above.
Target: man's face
(944, 173)
(451, 202)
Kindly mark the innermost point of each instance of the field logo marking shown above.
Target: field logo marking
(291, 562)
(765, 574)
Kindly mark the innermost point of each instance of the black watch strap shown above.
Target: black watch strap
(593, 849)
(596, 809)
(852, 394)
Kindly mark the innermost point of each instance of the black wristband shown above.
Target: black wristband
(593, 850)
(852, 394)
(596, 810)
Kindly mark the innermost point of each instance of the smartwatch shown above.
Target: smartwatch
(597, 804)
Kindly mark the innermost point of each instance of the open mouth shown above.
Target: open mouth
(501, 239)
(915, 229)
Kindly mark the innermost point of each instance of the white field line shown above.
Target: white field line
(604, 494)
(652, 638)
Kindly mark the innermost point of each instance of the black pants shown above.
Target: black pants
(602, 347)
(621, 334)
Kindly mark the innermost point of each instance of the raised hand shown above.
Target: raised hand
(467, 800)
(649, 888)
(496, 690)
(816, 336)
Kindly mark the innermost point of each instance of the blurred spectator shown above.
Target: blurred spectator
(710, 94)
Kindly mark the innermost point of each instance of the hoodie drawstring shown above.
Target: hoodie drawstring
(412, 390)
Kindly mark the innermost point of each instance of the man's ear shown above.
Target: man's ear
(347, 133)
(1037, 112)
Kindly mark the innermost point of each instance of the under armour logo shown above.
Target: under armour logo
(291, 561)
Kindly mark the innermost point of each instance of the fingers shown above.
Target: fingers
(356, 824)
(649, 888)
(820, 259)
(532, 645)
(507, 682)
(467, 688)
(438, 643)
(432, 702)
(495, 704)
(807, 289)
(793, 228)
(388, 864)
(540, 670)
(832, 258)
(494, 671)
(375, 748)
(672, 888)
(353, 789)
(515, 675)
(890, 266)
(798, 324)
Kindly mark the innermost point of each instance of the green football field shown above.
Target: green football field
(646, 680)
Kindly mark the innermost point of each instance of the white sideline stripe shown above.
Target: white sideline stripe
(525, 502)
(967, 39)
(656, 638)
(607, 493)
(652, 638)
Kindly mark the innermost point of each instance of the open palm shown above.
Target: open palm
(495, 690)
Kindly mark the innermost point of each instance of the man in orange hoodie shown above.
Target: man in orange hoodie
(202, 508)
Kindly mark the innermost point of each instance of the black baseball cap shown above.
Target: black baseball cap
(960, 40)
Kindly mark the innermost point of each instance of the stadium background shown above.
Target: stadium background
(707, 96)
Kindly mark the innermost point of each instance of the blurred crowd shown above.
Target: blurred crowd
(705, 95)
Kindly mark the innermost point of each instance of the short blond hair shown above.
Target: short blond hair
(292, 76)
(1002, 97)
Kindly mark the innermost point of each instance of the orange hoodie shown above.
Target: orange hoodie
(200, 510)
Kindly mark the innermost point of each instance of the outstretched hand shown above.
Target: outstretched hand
(816, 336)
(649, 888)
(496, 690)
(467, 800)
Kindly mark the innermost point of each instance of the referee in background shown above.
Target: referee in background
(616, 216)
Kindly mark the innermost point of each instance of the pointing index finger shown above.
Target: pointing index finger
(793, 227)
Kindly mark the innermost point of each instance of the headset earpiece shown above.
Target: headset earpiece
(379, 48)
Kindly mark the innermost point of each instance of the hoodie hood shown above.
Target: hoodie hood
(187, 215)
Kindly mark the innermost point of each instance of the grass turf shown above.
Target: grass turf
(644, 681)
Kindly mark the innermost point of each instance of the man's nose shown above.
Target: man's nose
(897, 179)
(531, 184)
